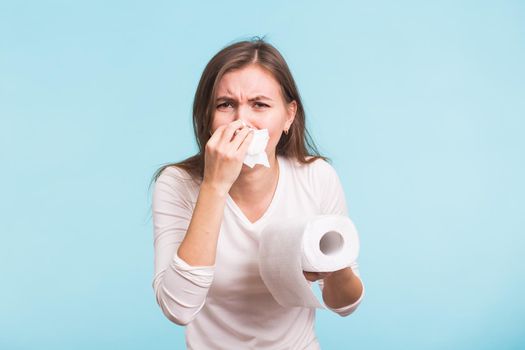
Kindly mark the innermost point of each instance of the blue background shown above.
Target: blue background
(420, 105)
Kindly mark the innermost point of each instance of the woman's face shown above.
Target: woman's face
(253, 95)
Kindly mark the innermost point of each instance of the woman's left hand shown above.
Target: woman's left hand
(314, 276)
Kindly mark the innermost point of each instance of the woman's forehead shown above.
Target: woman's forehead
(248, 83)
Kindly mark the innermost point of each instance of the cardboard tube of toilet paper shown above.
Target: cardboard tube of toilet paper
(320, 243)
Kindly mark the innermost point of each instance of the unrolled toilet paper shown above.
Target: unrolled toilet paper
(256, 153)
(320, 243)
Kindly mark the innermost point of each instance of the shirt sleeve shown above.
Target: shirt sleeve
(333, 201)
(180, 289)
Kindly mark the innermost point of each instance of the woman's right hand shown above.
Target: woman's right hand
(224, 154)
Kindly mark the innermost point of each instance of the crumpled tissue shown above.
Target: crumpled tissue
(256, 153)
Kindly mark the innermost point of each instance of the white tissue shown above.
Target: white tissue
(256, 153)
(320, 243)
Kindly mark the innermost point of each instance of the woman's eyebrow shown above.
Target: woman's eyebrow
(256, 98)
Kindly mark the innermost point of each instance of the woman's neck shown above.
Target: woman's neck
(255, 183)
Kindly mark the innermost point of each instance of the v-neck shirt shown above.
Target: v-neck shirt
(227, 305)
(268, 212)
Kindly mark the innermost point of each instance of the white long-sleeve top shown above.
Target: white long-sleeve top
(227, 305)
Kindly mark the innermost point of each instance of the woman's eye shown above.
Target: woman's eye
(257, 104)
(224, 104)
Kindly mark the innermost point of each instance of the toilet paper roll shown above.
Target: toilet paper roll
(320, 243)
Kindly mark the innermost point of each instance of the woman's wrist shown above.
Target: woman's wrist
(214, 188)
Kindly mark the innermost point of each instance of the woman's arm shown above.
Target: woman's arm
(223, 163)
(199, 246)
(342, 288)
(182, 283)
(185, 237)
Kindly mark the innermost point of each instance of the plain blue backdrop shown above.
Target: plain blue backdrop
(421, 106)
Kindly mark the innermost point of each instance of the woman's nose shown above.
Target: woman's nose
(248, 124)
(243, 115)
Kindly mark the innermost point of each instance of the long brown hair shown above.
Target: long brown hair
(297, 143)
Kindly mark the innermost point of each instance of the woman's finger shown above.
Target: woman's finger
(230, 129)
(241, 141)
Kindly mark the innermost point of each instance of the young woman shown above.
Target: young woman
(209, 210)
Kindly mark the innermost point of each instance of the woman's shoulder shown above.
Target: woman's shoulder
(176, 172)
(177, 177)
(172, 174)
(315, 168)
(317, 175)
(177, 182)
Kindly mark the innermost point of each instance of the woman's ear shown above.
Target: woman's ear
(292, 110)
